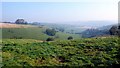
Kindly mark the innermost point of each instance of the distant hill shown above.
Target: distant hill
(66, 28)
(94, 32)
(93, 23)
(100, 31)
(107, 27)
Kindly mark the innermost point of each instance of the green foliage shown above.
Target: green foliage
(70, 37)
(50, 32)
(50, 39)
(92, 52)
(115, 30)
(20, 21)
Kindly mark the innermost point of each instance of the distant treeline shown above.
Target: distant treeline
(18, 21)
(114, 30)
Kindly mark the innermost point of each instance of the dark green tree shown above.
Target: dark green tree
(20, 21)
(50, 32)
(114, 30)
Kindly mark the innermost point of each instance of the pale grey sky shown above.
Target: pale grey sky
(60, 10)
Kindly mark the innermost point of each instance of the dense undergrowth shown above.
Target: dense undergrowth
(92, 52)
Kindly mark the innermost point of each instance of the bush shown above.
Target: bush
(50, 32)
(70, 38)
(50, 39)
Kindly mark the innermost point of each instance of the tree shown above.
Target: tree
(50, 39)
(20, 21)
(70, 38)
(50, 32)
(113, 30)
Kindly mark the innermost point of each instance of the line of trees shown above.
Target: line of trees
(21, 21)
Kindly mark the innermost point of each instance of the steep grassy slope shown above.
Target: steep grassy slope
(92, 52)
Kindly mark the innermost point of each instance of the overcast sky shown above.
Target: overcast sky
(54, 11)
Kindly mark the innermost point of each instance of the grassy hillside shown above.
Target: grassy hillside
(92, 52)
(25, 33)
(65, 27)
(33, 33)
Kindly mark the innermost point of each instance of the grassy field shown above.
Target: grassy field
(92, 52)
(33, 33)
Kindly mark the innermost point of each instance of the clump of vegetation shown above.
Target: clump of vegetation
(70, 38)
(50, 32)
(50, 39)
(20, 21)
(115, 30)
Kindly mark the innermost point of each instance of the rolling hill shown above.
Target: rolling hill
(11, 31)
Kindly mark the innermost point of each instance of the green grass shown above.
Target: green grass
(92, 52)
(27, 33)
(33, 33)
(64, 36)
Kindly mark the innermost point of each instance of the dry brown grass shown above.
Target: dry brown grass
(7, 25)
